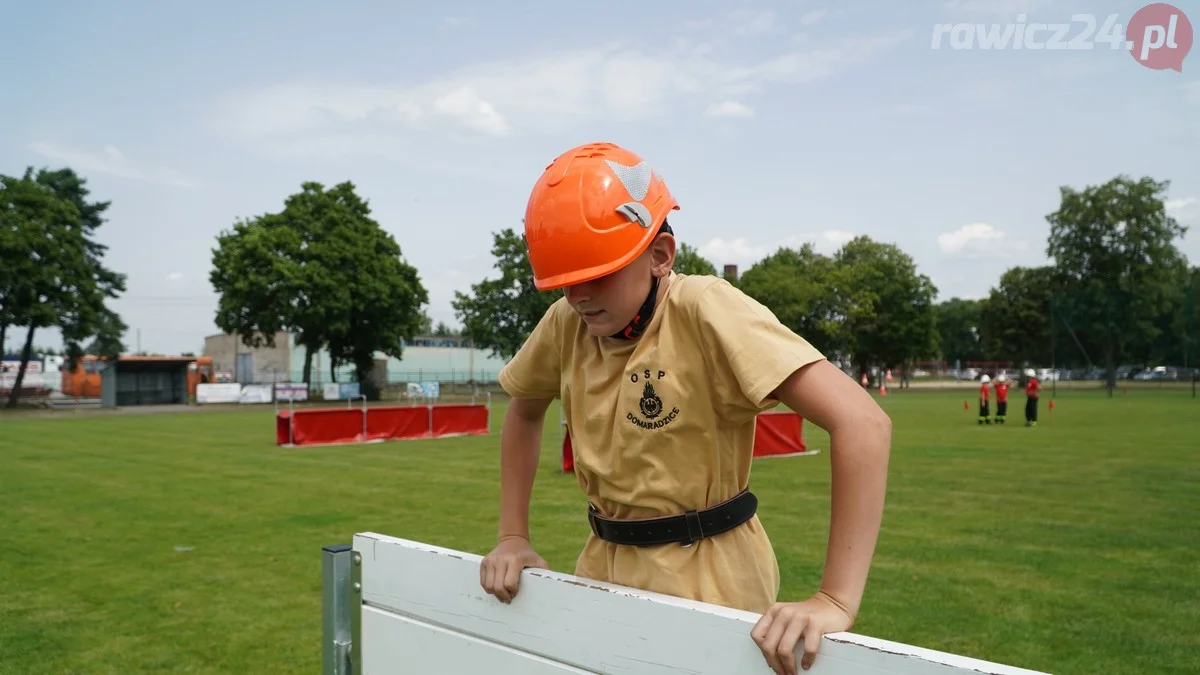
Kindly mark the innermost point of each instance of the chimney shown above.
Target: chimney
(730, 274)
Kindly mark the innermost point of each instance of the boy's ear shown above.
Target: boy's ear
(662, 254)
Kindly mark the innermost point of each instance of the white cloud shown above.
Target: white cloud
(1191, 91)
(729, 109)
(113, 162)
(742, 252)
(451, 22)
(539, 93)
(811, 17)
(745, 24)
(975, 237)
(909, 109)
(174, 276)
(1179, 204)
(833, 238)
(998, 8)
(986, 93)
(475, 113)
(735, 251)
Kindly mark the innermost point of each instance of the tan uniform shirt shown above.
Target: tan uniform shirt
(665, 423)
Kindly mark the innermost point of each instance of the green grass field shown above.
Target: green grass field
(1069, 548)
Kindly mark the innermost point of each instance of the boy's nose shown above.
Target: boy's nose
(577, 293)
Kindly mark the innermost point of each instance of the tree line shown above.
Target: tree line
(1117, 288)
(323, 269)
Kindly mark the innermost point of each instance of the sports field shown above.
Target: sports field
(190, 543)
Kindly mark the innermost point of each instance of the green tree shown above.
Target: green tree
(499, 314)
(385, 293)
(442, 330)
(1115, 258)
(50, 273)
(258, 271)
(46, 274)
(92, 317)
(689, 261)
(796, 285)
(426, 324)
(885, 305)
(958, 327)
(1015, 317)
(323, 270)
(1187, 323)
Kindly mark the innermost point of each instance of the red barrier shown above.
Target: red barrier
(397, 423)
(459, 420)
(777, 433)
(283, 426)
(327, 426)
(568, 456)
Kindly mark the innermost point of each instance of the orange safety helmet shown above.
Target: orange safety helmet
(594, 209)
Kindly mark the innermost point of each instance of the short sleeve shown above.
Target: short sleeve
(749, 349)
(536, 369)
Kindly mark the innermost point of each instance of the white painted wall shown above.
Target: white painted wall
(425, 612)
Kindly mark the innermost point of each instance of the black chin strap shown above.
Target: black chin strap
(638, 326)
(640, 320)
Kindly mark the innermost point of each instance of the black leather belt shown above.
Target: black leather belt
(686, 528)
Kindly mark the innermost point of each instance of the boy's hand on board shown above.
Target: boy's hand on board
(500, 571)
(785, 624)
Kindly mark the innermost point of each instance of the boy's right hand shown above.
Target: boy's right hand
(500, 572)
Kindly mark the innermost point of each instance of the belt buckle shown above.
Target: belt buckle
(591, 516)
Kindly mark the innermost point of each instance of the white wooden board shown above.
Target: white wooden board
(425, 612)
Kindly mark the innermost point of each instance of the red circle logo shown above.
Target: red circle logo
(1159, 36)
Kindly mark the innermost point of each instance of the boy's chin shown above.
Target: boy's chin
(600, 330)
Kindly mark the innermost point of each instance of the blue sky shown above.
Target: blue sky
(774, 123)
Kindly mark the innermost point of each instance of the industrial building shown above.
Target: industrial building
(426, 357)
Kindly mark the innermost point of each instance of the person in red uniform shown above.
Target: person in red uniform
(1032, 389)
(1001, 398)
(985, 394)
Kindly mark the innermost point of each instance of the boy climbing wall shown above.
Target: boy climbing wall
(662, 376)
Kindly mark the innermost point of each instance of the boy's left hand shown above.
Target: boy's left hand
(783, 625)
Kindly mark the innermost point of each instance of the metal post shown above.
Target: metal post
(341, 610)
(364, 412)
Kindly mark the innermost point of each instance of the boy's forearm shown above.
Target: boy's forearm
(859, 457)
(520, 449)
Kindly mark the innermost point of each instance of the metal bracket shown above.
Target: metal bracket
(341, 610)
